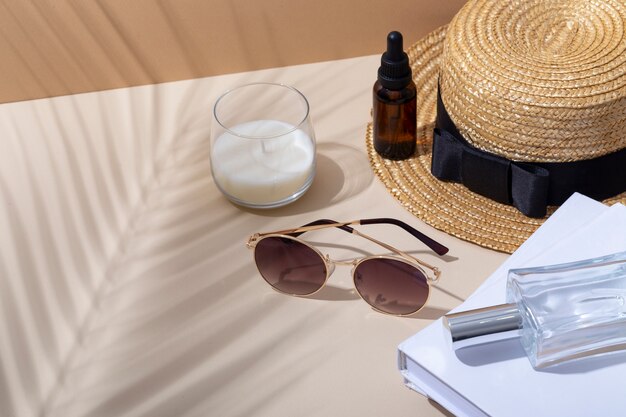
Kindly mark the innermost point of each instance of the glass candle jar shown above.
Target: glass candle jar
(262, 145)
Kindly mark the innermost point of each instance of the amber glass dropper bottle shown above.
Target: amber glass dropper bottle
(394, 110)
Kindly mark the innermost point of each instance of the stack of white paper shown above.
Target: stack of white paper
(497, 379)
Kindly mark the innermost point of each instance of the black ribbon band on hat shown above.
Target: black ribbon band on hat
(530, 187)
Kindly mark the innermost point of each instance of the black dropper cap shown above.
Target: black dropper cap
(394, 72)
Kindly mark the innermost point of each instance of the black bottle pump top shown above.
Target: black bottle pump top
(394, 72)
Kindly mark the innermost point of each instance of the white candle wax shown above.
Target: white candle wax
(263, 171)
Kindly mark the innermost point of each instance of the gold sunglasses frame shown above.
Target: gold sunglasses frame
(330, 264)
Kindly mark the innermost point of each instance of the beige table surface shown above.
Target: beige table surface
(126, 287)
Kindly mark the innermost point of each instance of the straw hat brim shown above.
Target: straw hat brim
(447, 206)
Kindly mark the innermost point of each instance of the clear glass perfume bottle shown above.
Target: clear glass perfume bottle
(561, 313)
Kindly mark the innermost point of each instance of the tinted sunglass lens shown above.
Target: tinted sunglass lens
(289, 265)
(392, 286)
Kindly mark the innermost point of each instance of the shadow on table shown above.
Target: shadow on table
(333, 293)
(342, 172)
(440, 408)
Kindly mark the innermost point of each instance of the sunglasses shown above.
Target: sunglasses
(397, 285)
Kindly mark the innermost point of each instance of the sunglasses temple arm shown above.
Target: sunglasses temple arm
(324, 223)
(316, 225)
(434, 245)
(436, 271)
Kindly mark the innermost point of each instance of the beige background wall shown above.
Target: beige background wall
(56, 47)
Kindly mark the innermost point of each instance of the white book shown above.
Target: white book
(498, 380)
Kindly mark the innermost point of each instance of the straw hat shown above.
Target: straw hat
(533, 85)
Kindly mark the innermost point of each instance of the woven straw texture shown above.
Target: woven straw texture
(538, 80)
(447, 206)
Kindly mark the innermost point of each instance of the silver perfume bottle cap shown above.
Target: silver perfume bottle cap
(483, 325)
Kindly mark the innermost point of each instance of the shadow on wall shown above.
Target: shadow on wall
(66, 47)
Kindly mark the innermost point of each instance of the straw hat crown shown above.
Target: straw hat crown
(538, 80)
(520, 104)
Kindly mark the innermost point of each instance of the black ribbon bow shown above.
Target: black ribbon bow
(530, 187)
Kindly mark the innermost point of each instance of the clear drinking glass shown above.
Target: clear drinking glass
(262, 145)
